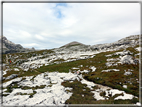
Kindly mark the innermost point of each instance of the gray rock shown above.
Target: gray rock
(11, 76)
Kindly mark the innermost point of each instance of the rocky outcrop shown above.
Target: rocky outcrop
(129, 41)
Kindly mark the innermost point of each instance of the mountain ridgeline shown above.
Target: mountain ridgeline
(10, 47)
(130, 41)
(123, 43)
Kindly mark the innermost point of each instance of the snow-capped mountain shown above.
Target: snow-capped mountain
(10, 47)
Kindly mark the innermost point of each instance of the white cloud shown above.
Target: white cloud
(65, 32)
(92, 23)
(24, 34)
(39, 37)
(69, 21)
(30, 45)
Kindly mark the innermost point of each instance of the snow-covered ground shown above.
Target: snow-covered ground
(35, 62)
(63, 55)
(138, 49)
(53, 93)
(109, 70)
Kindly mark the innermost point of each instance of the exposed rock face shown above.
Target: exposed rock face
(10, 47)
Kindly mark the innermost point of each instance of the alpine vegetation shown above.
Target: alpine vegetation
(73, 74)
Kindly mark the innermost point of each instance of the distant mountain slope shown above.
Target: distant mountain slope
(74, 43)
(10, 47)
(129, 41)
(123, 43)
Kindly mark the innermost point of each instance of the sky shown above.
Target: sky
(51, 25)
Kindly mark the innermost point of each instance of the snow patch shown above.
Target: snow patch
(88, 83)
(97, 96)
(124, 86)
(9, 82)
(138, 49)
(138, 104)
(127, 59)
(110, 70)
(16, 69)
(126, 96)
(128, 73)
(93, 68)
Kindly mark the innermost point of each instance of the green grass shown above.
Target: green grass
(33, 88)
(77, 91)
(63, 67)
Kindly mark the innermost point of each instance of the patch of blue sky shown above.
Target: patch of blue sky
(58, 12)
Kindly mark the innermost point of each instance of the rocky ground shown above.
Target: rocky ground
(79, 74)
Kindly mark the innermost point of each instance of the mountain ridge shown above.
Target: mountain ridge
(10, 47)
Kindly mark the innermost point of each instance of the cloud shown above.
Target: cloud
(39, 37)
(24, 33)
(52, 24)
(30, 45)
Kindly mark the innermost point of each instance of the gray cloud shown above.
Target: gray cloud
(50, 25)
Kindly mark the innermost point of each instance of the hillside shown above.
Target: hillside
(74, 74)
(74, 43)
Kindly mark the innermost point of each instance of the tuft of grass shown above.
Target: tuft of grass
(33, 88)
(79, 96)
